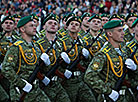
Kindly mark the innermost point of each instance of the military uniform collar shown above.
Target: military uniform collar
(30, 44)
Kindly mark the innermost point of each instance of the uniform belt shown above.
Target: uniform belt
(55, 78)
(76, 73)
(122, 92)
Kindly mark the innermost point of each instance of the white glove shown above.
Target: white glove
(130, 64)
(85, 53)
(27, 87)
(45, 58)
(68, 74)
(114, 95)
(65, 57)
(46, 81)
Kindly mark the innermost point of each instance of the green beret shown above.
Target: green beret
(130, 15)
(105, 15)
(112, 24)
(134, 23)
(24, 20)
(8, 18)
(16, 16)
(74, 18)
(85, 15)
(69, 15)
(35, 16)
(95, 16)
(52, 17)
(122, 16)
(115, 16)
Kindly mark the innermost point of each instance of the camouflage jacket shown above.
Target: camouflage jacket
(104, 70)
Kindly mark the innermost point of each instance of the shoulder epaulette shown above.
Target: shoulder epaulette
(18, 42)
(40, 41)
(131, 44)
(106, 49)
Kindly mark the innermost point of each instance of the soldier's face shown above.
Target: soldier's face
(95, 24)
(74, 26)
(104, 20)
(51, 26)
(131, 20)
(30, 28)
(85, 21)
(8, 25)
(118, 34)
(136, 30)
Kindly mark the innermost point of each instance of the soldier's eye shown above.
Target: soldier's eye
(77, 24)
(11, 23)
(50, 23)
(72, 23)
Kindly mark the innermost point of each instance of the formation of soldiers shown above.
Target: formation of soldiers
(91, 59)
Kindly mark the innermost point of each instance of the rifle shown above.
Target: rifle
(120, 81)
(35, 72)
(78, 59)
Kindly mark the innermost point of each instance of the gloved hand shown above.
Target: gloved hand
(65, 57)
(45, 58)
(130, 64)
(85, 53)
(137, 88)
(68, 74)
(27, 87)
(46, 81)
(114, 95)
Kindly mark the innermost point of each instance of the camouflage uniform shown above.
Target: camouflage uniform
(54, 90)
(75, 87)
(130, 48)
(19, 63)
(104, 71)
(128, 36)
(97, 45)
(5, 43)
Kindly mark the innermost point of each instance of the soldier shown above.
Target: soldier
(16, 30)
(54, 89)
(131, 17)
(20, 62)
(6, 40)
(74, 85)
(84, 24)
(105, 19)
(95, 26)
(106, 67)
(62, 33)
(131, 48)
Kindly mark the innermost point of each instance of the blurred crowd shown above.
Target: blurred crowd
(62, 7)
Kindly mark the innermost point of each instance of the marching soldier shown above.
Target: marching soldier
(20, 62)
(84, 24)
(106, 68)
(53, 89)
(95, 26)
(105, 18)
(74, 85)
(131, 17)
(6, 40)
(132, 47)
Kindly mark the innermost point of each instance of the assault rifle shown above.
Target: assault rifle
(120, 81)
(80, 56)
(35, 72)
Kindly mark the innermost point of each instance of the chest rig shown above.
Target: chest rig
(28, 55)
(113, 62)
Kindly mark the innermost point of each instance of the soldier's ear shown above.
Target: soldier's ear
(22, 29)
(109, 34)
